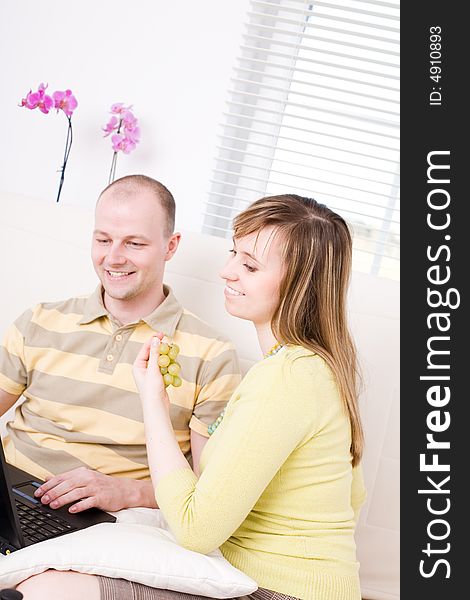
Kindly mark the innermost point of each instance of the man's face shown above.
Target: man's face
(130, 245)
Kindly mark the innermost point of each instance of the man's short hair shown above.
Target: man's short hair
(131, 184)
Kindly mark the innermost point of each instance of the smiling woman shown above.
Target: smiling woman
(291, 435)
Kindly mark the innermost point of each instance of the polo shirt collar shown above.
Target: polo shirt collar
(164, 318)
(167, 315)
(94, 307)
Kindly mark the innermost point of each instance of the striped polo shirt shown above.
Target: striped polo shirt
(72, 361)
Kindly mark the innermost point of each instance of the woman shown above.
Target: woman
(280, 485)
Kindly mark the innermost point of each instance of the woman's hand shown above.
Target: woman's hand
(163, 450)
(147, 373)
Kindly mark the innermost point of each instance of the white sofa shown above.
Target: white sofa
(44, 249)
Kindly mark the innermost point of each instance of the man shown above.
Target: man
(80, 426)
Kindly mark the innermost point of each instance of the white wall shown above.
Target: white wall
(171, 60)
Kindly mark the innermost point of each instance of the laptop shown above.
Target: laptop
(24, 520)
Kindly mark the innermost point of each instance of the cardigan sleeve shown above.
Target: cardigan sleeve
(269, 417)
(358, 491)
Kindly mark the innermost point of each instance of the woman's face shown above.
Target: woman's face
(253, 275)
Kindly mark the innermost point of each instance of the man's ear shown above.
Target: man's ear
(172, 245)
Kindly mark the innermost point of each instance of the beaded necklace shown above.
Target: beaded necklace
(274, 350)
(271, 352)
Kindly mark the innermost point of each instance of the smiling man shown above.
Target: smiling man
(80, 425)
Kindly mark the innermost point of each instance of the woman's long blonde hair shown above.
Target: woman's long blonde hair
(317, 253)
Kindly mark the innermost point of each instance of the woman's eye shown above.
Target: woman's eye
(233, 251)
(249, 268)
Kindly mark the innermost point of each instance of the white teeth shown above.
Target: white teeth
(117, 274)
(232, 292)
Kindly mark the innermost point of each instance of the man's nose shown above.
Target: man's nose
(115, 255)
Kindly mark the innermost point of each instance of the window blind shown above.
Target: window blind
(313, 109)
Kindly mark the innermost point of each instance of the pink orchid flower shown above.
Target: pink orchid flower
(38, 99)
(133, 135)
(26, 101)
(111, 125)
(119, 108)
(65, 101)
(128, 120)
(126, 136)
(45, 102)
(121, 142)
(31, 101)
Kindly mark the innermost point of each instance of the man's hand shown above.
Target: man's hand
(84, 488)
(6, 401)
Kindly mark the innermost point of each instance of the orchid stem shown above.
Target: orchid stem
(112, 171)
(68, 146)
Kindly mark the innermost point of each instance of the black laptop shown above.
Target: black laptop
(24, 520)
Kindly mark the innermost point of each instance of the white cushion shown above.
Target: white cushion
(138, 547)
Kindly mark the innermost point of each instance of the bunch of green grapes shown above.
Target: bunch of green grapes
(169, 368)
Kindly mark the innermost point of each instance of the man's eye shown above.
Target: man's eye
(101, 240)
(135, 244)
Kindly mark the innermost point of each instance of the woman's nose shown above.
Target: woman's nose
(228, 271)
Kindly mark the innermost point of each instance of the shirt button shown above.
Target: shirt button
(118, 337)
(110, 358)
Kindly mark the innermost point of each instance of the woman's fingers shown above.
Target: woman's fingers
(148, 354)
(143, 356)
(153, 352)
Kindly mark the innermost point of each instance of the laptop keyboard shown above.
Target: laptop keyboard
(37, 523)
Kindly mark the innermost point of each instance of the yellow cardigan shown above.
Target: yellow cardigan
(277, 491)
